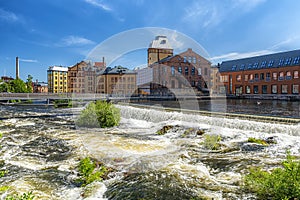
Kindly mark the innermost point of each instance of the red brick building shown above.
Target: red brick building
(273, 74)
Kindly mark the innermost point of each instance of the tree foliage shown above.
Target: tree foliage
(17, 86)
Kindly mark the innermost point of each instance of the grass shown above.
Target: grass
(258, 141)
(212, 142)
(24, 196)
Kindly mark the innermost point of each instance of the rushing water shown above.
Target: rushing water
(41, 147)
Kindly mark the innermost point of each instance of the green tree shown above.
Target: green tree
(18, 86)
(5, 87)
(29, 84)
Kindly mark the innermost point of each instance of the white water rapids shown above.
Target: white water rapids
(41, 154)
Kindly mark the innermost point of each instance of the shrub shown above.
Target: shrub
(3, 188)
(281, 183)
(164, 130)
(90, 171)
(99, 114)
(3, 172)
(65, 103)
(24, 196)
(212, 142)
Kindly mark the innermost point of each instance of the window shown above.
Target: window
(190, 59)
(242, 67)
(295, 89)
(255, 89)
(224, 78)
(284, 89)
(205, 71)
(264, 89)
(194, 60)
(296, 74)
(186, 71)
(296, 60)
(248, 89)
(251, 76)
(238, 77)
(249, 66)
(288, 75)
(262, 76)
(193, 71)
(233, 68)
(180, 69)
(274, 76)
(246, 77)
(199, 71)
(263, 64)
(281, 76)
(255, 66)
(268, 76)
(288, 61)
(184, 59)
(172, 70)
(256, 76)
(281, 62)
(271, 63)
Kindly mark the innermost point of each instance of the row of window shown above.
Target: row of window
(122, 79)
(274, 89)
(122, 86)
(190, 59)
(264, 76)
(188, 72)
(270, 63)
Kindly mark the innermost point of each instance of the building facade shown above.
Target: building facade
(39, 87)
(117, 81)
(159, 48)
(273, 74)
(57, 79)
(82, 77)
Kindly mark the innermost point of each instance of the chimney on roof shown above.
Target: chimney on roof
(103, 62)
(17, 67)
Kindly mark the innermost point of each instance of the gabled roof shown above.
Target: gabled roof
(282, 59)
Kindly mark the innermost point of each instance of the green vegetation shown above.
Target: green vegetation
(90, 171)
(3, 172)
(281, 183)
(17, 86)
(212, 142)
(257, 141)
(24, 196)
(99, 114)
(3, 189)
(164, 130)
(66, 103)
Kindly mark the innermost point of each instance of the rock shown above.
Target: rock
(164, 129)
(271, 140)
(252, 147)
(200, 132)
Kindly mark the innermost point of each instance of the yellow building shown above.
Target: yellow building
(159, 49)
(57, 79)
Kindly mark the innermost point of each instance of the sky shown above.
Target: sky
(45, 33)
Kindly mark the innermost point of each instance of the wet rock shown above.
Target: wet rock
(252, 147)
(271, 140)
(164, 129)
(200, 132)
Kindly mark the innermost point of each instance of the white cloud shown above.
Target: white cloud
(28, 60)
(8, 16)
(211, 13)
(72, 40)
(236, 55)
(99, 4)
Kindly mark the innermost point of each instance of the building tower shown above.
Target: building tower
(17, 68)
(159, 48)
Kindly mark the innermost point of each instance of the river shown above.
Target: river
(41, 147)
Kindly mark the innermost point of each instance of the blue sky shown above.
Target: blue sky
(62, 32)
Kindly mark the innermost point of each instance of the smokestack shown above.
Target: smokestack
(103, 62)
(17, 67)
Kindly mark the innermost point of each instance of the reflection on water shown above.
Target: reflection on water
(41, 147)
